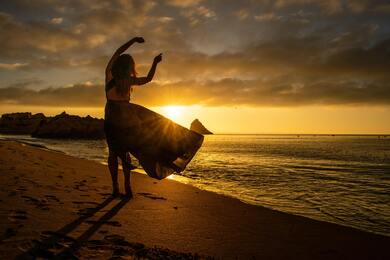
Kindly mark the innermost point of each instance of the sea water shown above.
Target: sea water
(341, 179)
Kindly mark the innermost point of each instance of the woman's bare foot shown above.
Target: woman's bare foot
(129, 193)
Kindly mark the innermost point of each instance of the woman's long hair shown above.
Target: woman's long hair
(122, 69)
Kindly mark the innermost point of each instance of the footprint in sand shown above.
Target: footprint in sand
(53, 234)
(52, 198)
(80, 184)
(17, 215)
(86, 212)
(12, 193)
(120, 248)
(21, 189)
(104, 194)
(9, 232)
(54, 242)
(113, 223)
(42, 204)
(151, 196)
(120, 240)
(85, 202)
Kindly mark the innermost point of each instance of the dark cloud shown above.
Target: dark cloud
(79, 95)
(282, 91)
(258, 53)
(25, 83)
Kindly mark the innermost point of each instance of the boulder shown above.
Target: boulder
(20, 123)
(198, 127)
(70, 127)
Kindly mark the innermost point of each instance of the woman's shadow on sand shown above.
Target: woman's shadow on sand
(59, 245)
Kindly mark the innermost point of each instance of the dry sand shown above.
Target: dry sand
(57, 205)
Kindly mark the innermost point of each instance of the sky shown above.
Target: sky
(248, 66)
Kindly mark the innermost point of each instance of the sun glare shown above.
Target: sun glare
(173, 112)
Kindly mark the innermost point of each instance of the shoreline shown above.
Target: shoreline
(187, 181)
(42, 191)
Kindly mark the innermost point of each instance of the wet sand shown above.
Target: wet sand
(55, 205)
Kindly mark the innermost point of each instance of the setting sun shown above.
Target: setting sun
(173, 112)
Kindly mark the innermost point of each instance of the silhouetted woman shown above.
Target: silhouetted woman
(160, 145)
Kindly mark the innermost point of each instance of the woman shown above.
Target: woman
(160, 145)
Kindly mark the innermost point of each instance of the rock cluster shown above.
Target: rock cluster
(59, 126)
(20, 123)
(70, 126)
(63, 126)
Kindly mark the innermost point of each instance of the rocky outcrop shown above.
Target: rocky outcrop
(63, 126)
(198, 127)
(70, 126)
(20, 123)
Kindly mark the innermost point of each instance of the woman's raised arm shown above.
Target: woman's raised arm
(149, 77)
(118, 52)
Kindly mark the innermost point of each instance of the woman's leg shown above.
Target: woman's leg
(126, 162)
(113, 167)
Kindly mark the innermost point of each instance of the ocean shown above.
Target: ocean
(342, 179)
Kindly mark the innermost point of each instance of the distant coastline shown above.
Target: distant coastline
(63, 126)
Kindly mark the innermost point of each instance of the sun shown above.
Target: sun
(173, 112)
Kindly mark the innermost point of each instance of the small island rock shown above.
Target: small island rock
(198, 127)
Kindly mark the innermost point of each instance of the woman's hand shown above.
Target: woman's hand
(158, 58)
(139, 39)
(152, 70)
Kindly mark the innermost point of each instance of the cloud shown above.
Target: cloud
(56, 20)
(25, 83)
(183, 3)
(267, 17)
(12, 66)
(290, 72)
(329, 6)
(215, 52)
(198, 14)
(383, 8)
(21, 40)
(241, 14)
(278, 91)
(78, 95)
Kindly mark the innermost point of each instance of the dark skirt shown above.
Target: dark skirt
(160, 145)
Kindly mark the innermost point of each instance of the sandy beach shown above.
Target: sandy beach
(55, 205)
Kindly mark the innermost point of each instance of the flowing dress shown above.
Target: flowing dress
(161, 146)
